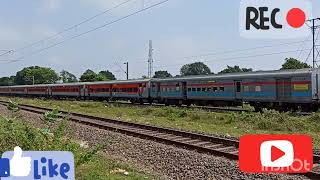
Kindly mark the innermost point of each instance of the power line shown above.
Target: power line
(227, 52)
(246, 49)
(312, 48)
(7, 52)
(73, 26)
(241, 57)
(302, 47)
(89, 31)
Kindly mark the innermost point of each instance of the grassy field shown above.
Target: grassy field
(89, 163)
(226, 123)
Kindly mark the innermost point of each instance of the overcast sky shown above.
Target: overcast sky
(178, 28)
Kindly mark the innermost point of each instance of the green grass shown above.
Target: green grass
(226, 123)
(89, 163)
(107, 169)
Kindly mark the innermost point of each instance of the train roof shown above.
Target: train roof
(81, 83)
(255, 74)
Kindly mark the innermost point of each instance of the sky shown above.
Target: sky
(182, 31)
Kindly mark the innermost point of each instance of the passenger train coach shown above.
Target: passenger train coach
(281, 90)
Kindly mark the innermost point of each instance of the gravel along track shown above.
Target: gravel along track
(167, 161)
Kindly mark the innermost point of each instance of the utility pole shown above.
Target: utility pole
(150, 60)
(32, 80)
(313, 41)
(127, 72)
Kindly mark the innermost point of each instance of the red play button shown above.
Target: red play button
(276, 153)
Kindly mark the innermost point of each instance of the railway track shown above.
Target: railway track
(193, 141)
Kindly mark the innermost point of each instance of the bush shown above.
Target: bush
(13, 106)
(51, 116)
(14, 134)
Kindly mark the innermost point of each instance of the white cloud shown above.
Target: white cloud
(8, 34)
(52, 5)
(127, 7)
(104, 4)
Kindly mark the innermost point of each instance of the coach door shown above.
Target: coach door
(84, 91)
(283, 89)
(184, 90)
(238, 89)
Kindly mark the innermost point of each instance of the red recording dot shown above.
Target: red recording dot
(296, 18)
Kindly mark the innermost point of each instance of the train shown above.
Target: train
(283, 90)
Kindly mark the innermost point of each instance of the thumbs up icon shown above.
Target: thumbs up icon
(19, 166)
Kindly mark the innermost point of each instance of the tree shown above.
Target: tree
(105, 76)
(162, 74)
(67, 77)
(235, 69)
(88, 76)
(7, 81)
(40, 75)
(292, 63)
(197, 68)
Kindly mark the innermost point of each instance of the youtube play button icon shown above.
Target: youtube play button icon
(278, 153)
(275, 153)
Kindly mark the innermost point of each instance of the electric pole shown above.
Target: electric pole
(127, 71)
(150, 60)
(313, 40)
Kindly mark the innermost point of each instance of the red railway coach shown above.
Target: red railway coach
(38, 91)
(18, 90)
(66, 90)
(135, 90)
(5, 91)
(96, 91)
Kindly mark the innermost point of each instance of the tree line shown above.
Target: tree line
(44, 75)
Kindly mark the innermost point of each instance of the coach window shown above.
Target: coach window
(198, 89)
(209, 89)
(258, 89)
(189, 89)
(221, 88)
(204, 89)
(215, 89)
(246, 88)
